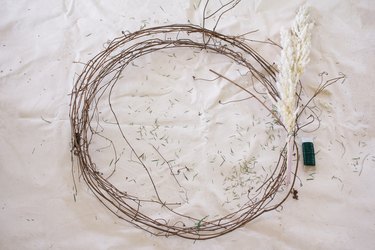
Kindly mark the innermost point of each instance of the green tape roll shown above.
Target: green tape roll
(308, 154)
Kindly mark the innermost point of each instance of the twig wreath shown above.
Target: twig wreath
(283, 102)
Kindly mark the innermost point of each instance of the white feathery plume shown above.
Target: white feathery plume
(296, 45)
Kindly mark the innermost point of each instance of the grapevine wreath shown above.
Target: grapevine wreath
(281, 98)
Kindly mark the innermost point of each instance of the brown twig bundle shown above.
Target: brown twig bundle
(99, 77)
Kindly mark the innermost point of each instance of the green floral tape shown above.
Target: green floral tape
(308, 154)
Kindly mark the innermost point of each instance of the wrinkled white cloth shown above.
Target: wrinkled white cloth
(41, 46)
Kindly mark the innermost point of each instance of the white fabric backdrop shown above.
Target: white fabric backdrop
(41, 40)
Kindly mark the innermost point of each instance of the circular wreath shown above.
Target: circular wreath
(90, 87)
